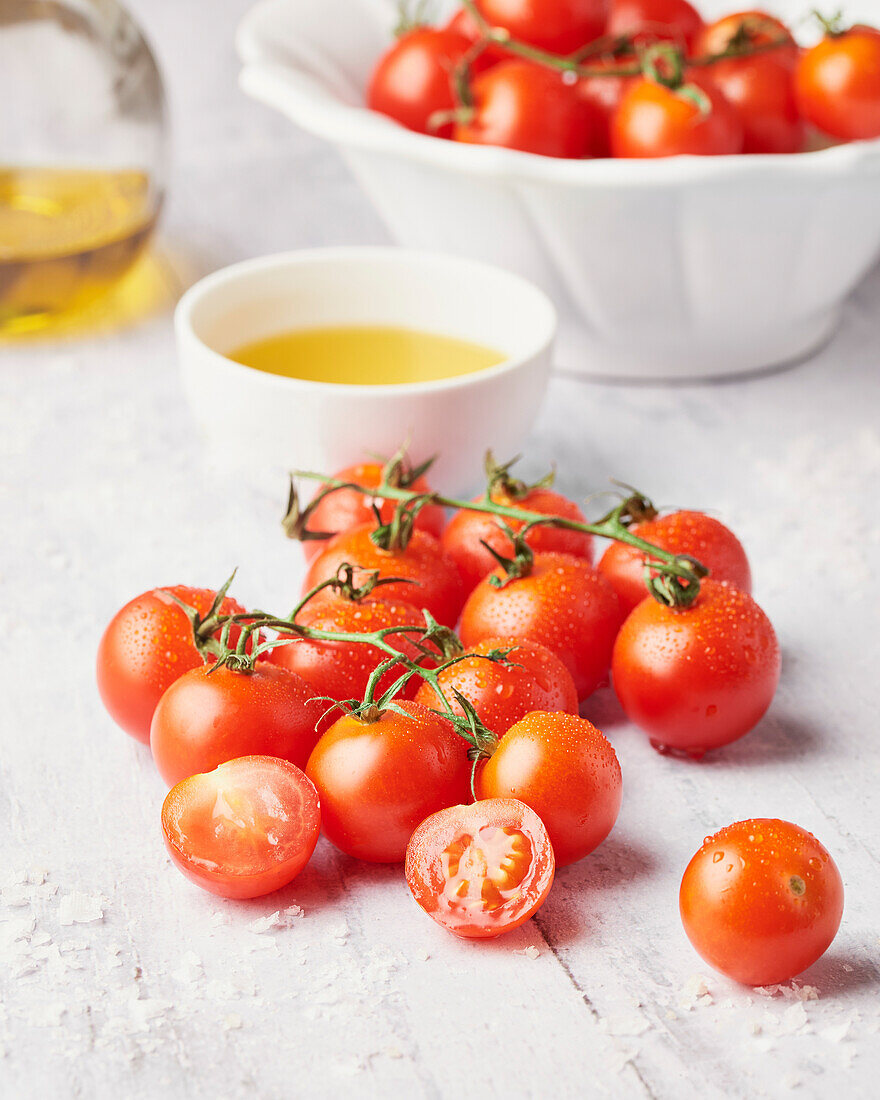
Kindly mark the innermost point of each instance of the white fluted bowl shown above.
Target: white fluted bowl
(662, 269)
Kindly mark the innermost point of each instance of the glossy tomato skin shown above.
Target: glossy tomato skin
(208, 717)
(563, 604)
(437, 587)
(520, 105)
(655, 20)
(558, 26)
(145, 648)
(467, 531)
(215, 826)
(566, 771)
(761, 901)
(603, 94)
(413, 79)
(378, 780)
(837, 83)
(692, 533)
(760, 27)
(700, 677)
(481, 870)
(501, 694)
(654, 121)
(347, 508)
(761, 90)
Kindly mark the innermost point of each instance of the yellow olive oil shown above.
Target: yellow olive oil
(66, 237)
(365, 355)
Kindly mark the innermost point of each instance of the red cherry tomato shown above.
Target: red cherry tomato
(655, 121)
(761, 90)
(753, 27)
(480, 870)
(692, 533)
(524, 106)
(437, 586)
(563, 603)
(761, 901)
(563, 767)
(347, 508)
(464, 23)
(699, 677)
(146, 647)
(602, 94)
(245, 829)
(558, 26)
(837, 83)
(648, 21)
(501, 694)
(210, 716)
(467, 531)
(414, 78)
(378, 779)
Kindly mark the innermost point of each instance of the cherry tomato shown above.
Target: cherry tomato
(761, 901)
(524, 106)
(378, 779)
(464, 23)
(699, 677)
(655, 121)
(145, 648)
(558, 26)
(563, 603)
(566, 771)
(837, 83)
(761, 90)
(245, 829)
(647, 21)
(480, 870)
(501, 694)
(347, 508)
(692, 533)
(210, 716)
(467, 531)
(414, 78)
(753, 27)
(437, 586)
(602, 94)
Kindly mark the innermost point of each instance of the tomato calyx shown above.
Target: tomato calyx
(399, 472)
(398, 531)
(500, 481)
(343, 584)
(832, 26)
(664, 64)
(411, 16)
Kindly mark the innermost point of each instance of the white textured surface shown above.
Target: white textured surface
(119, 979)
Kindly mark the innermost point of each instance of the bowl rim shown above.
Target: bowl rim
(317, 109)
(388, 254)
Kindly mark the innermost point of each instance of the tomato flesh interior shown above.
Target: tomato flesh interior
(486, 871)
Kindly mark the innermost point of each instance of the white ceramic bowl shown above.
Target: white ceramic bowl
(266, 423)
(691, 266)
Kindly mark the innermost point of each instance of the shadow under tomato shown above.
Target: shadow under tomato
(618, 861)
(838, 975)
(603, 710)
(778, 738)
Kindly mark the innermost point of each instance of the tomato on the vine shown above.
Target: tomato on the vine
(244, 829)
(695, 678)
(437, 584)
(558, 26)
(464, 23)
(380, 775)
(566, 771)
(531, 678)
(147, 645)
(562, 603)
(646, 21)
(745, 28)
(761, 901)
(838, 84)
(211, 715)
(603, 94)
(692, 533)
(480, 870)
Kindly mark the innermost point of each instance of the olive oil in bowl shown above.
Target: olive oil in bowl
(365, 355)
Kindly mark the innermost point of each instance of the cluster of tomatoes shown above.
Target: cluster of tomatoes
(629, 78)
(363, 715)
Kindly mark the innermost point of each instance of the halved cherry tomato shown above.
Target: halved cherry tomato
(563, 604)
(467, 531)
(347, 508)
(481, 870)
(378, 779)
(566, 770)
(838, 84)
(147, 645)
(210, 716)
(437, 588)
(647, 21)
(698, 677)
(558, 26)
(692, 533)
(245, 829)
(761, 901)
(532, 678)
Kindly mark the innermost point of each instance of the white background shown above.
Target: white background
(103, 494)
